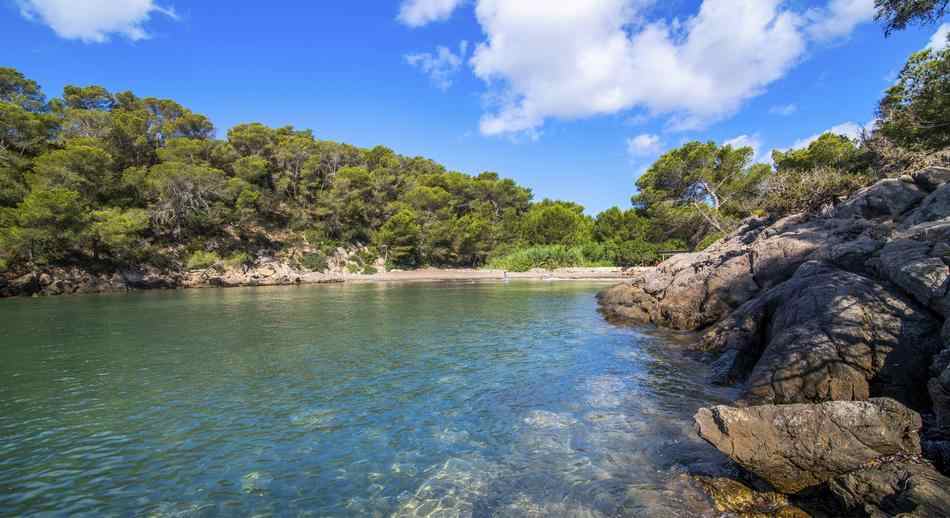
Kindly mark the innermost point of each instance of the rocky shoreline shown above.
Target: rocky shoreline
(836, 328)
(68, 281)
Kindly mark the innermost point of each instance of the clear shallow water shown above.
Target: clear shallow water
(344, 400)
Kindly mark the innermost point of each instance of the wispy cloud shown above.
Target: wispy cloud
(441, 66)
(646, 144)
(784, 110)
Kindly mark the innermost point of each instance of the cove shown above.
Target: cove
(449, 399)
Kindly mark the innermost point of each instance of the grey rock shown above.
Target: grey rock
(826, 334)
(904, 488)
(934, 207)
(932, 177)
(694, 291)
(909, 264)
(885, 199)
(794, 447)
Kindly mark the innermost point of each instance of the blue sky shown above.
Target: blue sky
(573, 101)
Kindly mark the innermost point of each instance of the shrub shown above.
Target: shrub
(201, 260)
(315, 262)
(369, 270)
(810, 190)
(548, 257)
(239, 259)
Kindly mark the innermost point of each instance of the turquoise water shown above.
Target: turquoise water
(343, 400)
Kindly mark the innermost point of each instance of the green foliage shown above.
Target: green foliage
(118, 232)
(810, 190)
(80, 168)
(315, 262)
(239, 260)
(547, 257)
(829, 150)
(16, 89)
(699, 188)
(398, 239)
(898, 14)
(44, 227)
(201, 260)
(915, 112)
(556, 223)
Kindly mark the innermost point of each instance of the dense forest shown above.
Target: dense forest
(104, 180)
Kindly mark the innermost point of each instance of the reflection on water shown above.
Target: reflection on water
(373, 400)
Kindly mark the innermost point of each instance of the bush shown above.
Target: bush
(315, 262)
(369, 270)
(239, 259)
(811, 190)
(548, 257)
(201, 260)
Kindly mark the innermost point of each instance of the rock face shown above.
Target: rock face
(794, 447)
(894, 488)
(827, 334)
(692, 291)
(836, 327)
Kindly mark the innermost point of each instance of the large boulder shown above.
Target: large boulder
(794, 447)
(826, 334)
(904, 488)
(914, 266)
(885, 199)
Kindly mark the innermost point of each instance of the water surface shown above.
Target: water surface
(490, 399)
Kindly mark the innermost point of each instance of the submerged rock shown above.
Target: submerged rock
(794, 447)
(733, 497)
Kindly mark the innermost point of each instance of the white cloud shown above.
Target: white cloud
(94, 20)
(752, 141)
(645, 144)
(939, 39)
(839, 18)
(416, 13)
(440, 66)
(784, 110)
(571, 60)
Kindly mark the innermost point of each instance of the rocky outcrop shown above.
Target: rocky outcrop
(827, 334)
(66, 281)
(692, 291)
(835, 327)
(903, 488)
(794, 447)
